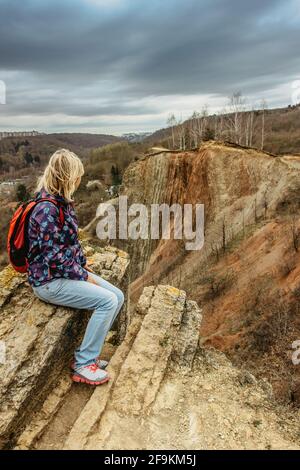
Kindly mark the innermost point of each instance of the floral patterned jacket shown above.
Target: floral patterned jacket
(54, 250)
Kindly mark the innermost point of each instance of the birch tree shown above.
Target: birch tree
(171, 122)
(235, 116)
(263, 121)
(194, 129)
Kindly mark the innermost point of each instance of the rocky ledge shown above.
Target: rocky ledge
(37, 340)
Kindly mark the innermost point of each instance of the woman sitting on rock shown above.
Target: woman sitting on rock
(58, 271)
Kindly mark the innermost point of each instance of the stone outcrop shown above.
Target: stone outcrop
(155, 339)
(165, 392)
(39, 339)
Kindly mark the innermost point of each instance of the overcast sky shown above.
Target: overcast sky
(115, 66)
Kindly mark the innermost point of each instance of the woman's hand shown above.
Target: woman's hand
(87, 266)
(91, 280)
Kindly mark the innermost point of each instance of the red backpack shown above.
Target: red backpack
(17, 239)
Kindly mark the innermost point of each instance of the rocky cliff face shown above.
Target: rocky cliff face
(39, 339)
(247, 275)
(238, 186)
(165, 392)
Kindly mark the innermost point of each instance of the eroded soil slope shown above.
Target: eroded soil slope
(246, 277)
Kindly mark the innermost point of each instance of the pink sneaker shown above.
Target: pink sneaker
(90, 374)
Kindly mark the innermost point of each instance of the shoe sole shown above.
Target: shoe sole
(83, 380)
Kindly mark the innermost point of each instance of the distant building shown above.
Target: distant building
(33, 133)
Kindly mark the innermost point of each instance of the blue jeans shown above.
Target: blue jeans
(105, 299)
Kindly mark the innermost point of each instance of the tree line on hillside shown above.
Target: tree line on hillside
(18, 157)
(109, 162)
(236, 123)
(21, 155)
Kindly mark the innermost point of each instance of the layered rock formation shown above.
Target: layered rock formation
(39, 339)
(252, 202)
(165, 393)
(235, 184)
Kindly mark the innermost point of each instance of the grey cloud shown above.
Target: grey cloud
(154, 48)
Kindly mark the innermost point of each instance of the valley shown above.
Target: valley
(237, 299)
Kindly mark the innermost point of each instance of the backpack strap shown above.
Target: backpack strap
(20, 218)
(30, 205)
(57, 204)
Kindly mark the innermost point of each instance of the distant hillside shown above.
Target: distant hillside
(104, 168)
(79, 142)
(84, 142)
(18, 154)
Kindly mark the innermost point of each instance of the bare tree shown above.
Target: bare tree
(193, 128)
(263, 107)
(249, 127)
(171, 121)
(235, 116)
(180, 130)
(203, 121)
(219, 125)
(251, 130)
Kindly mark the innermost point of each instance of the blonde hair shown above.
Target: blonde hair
(61, 174)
